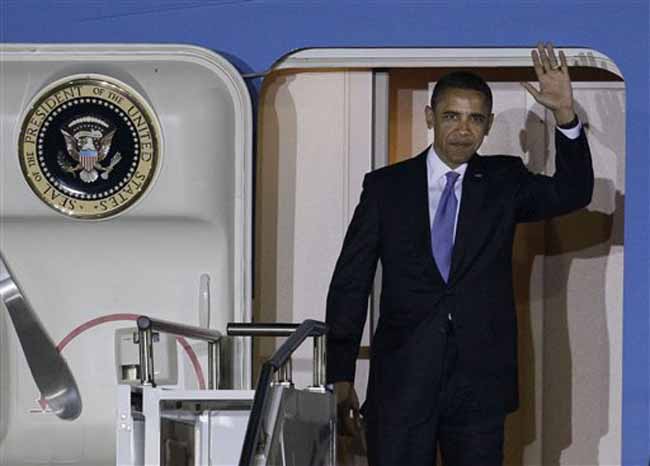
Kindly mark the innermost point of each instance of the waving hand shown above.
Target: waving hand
(555, 91)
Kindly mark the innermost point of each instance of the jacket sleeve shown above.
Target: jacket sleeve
(539, 197)
(347, 299)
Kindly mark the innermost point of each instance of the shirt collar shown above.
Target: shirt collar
(437, 169)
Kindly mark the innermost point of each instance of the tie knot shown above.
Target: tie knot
(451, 178)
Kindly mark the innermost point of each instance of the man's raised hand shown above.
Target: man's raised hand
(555, 91)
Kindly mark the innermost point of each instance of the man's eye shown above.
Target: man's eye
(450, 116)
(478, 119)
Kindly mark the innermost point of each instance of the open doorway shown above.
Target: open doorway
(320, 114)
(568, 272)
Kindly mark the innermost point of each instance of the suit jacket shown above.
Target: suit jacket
(391, 224)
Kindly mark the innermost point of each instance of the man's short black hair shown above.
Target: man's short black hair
(461, 80)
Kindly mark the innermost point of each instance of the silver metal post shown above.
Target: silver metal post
(289, 370)
(323, 360)
(214, 364)
(145, 341)
(285, 373)
(319, 361)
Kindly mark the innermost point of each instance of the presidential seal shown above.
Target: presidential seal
(89, 146)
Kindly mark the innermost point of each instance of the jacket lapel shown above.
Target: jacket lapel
(422, 219)
(474, 185)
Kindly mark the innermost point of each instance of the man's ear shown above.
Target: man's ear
(489, 123)
(428, 113)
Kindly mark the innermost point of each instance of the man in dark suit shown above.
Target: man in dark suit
(443, 366)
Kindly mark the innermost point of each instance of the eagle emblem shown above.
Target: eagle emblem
(88, 142)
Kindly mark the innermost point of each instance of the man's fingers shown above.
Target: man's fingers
(530, 88)
(564, 65)
(346, 397)
(543, 57)
(539, 70)
(551, 55)
(355, 400)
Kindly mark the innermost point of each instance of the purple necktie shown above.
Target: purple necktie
(442, 233)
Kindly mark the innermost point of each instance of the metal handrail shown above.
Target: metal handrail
(146, 327)
(274, 329)
(309, 328)
(50, 371)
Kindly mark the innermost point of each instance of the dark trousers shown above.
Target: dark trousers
(466, 436)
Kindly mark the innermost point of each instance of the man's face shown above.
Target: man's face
(460, 121)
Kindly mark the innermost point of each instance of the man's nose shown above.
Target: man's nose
(463, 125)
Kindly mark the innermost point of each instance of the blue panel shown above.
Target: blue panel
(255, 33)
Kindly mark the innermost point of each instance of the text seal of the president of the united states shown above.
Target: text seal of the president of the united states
(89, 146)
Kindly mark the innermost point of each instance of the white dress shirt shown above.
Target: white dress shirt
(436, 180)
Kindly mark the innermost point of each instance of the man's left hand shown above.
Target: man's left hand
(555, 91)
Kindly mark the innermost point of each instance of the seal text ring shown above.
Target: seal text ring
(89, 147)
